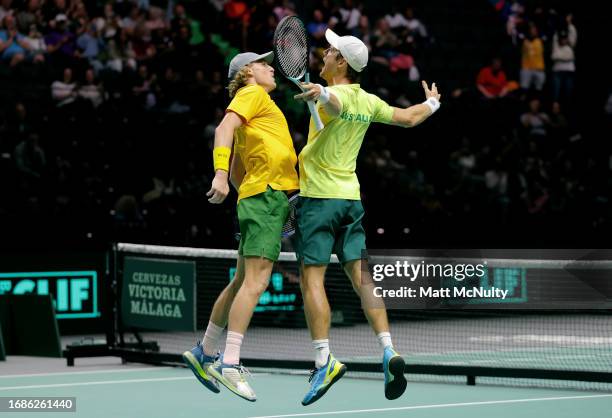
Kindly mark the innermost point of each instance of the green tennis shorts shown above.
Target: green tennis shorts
(326, 226)
(261, 218)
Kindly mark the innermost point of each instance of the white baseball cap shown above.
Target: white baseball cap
(352, 49)
(245, 58)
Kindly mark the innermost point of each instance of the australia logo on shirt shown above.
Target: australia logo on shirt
(356, 117)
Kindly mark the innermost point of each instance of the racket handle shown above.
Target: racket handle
(311, 106)
(315, 116)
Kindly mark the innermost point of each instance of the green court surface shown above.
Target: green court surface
(174, 392)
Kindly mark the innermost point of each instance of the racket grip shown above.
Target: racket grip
(315, 116)
(311, 106)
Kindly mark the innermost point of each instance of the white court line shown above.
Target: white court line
(101, 382)
(84, 372)
(447, 405)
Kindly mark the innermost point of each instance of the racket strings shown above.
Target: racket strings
(290, 223)
(291, 44)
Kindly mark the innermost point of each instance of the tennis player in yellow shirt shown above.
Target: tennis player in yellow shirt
(329, 210)
(263, 170)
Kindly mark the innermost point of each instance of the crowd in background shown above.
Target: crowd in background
(109, 109)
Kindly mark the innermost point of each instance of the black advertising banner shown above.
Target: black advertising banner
(158, 294)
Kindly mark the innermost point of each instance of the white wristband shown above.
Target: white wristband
(324, 97)
(433, 103)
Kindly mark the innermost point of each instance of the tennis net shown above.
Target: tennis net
(552, 348)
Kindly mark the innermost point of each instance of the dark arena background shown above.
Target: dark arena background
(108, 110)
(109, 137)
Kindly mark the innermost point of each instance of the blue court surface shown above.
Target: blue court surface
(140, 391)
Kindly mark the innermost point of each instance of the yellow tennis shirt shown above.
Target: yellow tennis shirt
(329, 159)
(263, 143)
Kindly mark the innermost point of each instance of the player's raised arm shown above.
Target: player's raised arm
(224, 138)
(414, 115)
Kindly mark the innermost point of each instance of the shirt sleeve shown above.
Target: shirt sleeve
(248, 102)
(381, 111)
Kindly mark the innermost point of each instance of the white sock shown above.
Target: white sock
(211, 339)
(232, 348)
(384, 339)
(321, 352)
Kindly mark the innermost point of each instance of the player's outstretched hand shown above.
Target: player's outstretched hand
(311, 92)
(219, 189)
(431, 93)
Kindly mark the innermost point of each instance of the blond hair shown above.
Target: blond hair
(239, 80)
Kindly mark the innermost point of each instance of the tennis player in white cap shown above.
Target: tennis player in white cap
(329, 211)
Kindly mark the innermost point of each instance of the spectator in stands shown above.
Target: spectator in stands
(492, 81)
(52, 8)
(5, 8)
(558, 123)
(155, 19)
(119, 54)
(144, 88)
(135, 17)
(61, 42)
(29, 16)
(37, 44)
(349, 18)
(564, 66)
(64, 91)
(91, 90)
(516, 17)
(179, 18)
(90, 46)
(396, 19)
(78, 13)
(364, 32)
(414, 31)
(535, 121)
(316, 29)
(13, 45)
(286, 8)
(384, 43)
(532, 61)
(142, 44)
(236, 16)
(109, 24)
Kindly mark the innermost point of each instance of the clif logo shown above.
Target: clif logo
(74, 292)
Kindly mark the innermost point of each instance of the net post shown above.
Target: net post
(471, 380)
(111, 311)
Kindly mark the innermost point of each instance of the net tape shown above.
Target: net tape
(191, 252)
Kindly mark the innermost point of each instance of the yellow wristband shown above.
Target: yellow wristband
(221, 158)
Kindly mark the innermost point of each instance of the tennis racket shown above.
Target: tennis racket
(291, 54)
(290, 224)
